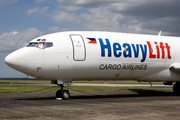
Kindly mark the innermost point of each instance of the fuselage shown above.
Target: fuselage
(98, 56)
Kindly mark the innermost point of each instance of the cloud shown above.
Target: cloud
(62, 17)
(4, 2)
(154, 10)
(71, 8)
(86, 3)
(37, 10)
(99, 19)
(95, 14)
(54, 29)
(40, 1)
(93, 3)
(16, 39)
(135, 16)
(149, 16)
(57, 29)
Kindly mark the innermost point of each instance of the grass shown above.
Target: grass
(24, 88)
(99, 88)
(23, 81)
(85, 81)
(40, 88)
(14, 88)
(118, 82)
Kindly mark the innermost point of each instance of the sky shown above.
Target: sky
(24, 20)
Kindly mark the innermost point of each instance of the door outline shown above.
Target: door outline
(73, 45)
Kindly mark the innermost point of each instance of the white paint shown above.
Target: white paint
(57, 62)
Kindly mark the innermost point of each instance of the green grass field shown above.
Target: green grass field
(91, 82)
(10, 86)
(118, 82)
(40, 88)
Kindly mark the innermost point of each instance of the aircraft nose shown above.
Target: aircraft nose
(16, 60)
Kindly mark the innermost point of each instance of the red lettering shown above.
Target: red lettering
(168, 50)
(157, 48)
(151, 55)
(162, 49)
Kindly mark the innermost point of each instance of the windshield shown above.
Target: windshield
(32, 44)
(41, 45)
(49, 44)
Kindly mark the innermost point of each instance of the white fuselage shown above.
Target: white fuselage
(98, 56)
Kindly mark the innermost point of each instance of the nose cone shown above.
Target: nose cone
(16, 60)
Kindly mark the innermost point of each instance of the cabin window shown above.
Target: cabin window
(32, 44)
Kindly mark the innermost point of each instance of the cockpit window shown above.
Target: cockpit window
(41, 45)
(32, 44)
(49, 44)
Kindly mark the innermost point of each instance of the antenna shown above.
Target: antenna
(159, 33)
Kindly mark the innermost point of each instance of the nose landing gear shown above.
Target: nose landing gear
(64, 94)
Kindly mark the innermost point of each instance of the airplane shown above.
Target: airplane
(69, 56)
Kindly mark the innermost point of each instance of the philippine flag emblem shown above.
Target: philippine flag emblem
(91, 40)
